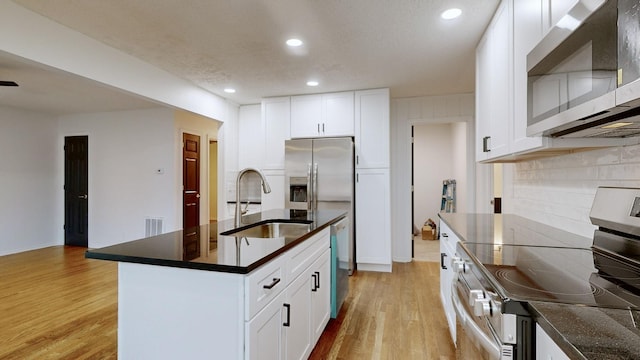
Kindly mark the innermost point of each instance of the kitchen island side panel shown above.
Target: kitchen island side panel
(176, 313)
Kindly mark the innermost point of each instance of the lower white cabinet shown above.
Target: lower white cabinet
(289, 326)
(448, 242)
(278, 311)
(266, 332)
(373, 230)
(320, 295)
(546, 348)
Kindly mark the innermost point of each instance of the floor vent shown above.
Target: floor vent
(152, 226)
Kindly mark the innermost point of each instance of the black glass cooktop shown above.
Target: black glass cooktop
(557, 274)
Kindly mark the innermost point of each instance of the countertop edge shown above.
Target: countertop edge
(562, 342)
(92, 254)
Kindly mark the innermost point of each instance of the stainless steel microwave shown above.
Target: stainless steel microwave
(583, 75)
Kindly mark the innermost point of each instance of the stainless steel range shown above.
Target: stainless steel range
(496, 281)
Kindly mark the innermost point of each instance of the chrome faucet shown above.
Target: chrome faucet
(265, 187)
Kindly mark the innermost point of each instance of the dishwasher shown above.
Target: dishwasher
(339, 264)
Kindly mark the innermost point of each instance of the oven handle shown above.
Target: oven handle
(471, 327)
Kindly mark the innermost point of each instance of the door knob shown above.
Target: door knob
(85, 197)
(198, 196)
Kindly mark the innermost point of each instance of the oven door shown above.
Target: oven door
(475, 337)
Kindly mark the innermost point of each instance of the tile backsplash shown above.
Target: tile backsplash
(559, 191)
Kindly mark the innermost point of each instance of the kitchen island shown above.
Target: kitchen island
(227, 296)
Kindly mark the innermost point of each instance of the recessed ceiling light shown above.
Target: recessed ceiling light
(294, 42)
(230, 90)
(312, 83)
(451, 13)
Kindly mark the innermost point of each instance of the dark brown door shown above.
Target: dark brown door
(191, 190)
(76, 199)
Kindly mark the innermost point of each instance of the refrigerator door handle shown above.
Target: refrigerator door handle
(315, 186)
(309, 187)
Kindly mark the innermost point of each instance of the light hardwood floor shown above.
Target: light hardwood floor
(55, 304)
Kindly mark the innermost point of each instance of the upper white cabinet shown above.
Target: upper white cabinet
(276, 119)
(552, 11)
(493, 89)
(250, 138)
(274, 199)
(501, 83)
(322, 115)
(526, 34)
(372, 128)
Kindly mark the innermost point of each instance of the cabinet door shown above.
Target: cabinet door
(553, 11)
(275, 128)
(446, 282)
(372, 128)
(527, 14)
(250, 137)
(483, 86)
(298, 319)
(494, 100)
(320, 295)
(546, 348)
(306, 116)
(373, 235)
(264, 334)
(337, 114)
(274, 199)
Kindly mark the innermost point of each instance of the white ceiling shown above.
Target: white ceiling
(349, 44)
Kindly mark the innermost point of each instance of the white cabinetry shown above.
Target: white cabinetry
(372, 128)
(276, 120)
(553, 10)
(274, 199)
(290, 325)
(373, 233)
(448, 241)
(267, 332)
(322, 115)
(493, 90)
(249, 208)
(275, 312)
(501, 83)
(320, 295)
(250, 138)
(546, 348)
(373, 189)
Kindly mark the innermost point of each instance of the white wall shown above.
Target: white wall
(125, 150)
(27, 181)
(432, 163)
(559, 191)
(460, 164)
(406, 112)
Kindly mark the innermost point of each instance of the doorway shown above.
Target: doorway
(76, 191)
(439, 152)
(191, 191)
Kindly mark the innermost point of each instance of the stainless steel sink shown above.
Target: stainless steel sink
(271, 230)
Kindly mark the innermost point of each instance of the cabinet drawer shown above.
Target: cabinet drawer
(304, 254)
(263, 285)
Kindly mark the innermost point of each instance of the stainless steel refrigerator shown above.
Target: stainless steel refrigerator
(319, 174)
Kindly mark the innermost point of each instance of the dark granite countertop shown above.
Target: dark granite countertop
(215, 252)
(510, 230)
(582, 332)
(591, 333)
